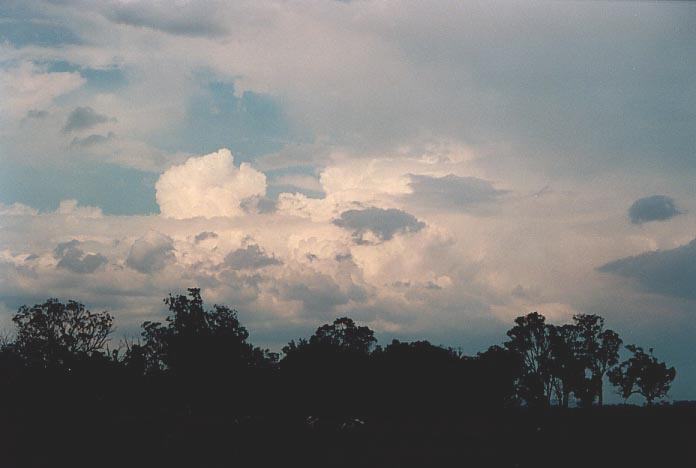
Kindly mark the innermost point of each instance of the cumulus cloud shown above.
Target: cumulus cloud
(71, 257)
(82, 118)
(451, 192)
(17, 209)
(381, 223)
(250, 257)
(666, 272)
(653, 208)
(208, 186)
(151, 253)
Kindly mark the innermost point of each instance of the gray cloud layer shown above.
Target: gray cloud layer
(250, 257)
(384, 224)
(653, 208)
(451, 192)
(82, 118)
(151, 253)
(71, 257)
(187, 19)
(667, 272)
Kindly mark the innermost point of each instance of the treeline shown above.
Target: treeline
(202, 360)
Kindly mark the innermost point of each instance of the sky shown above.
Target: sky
(431, 169)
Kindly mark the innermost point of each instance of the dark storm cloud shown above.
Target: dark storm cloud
(250, 257)
(82, 118)
(71, 257)
(654, 208)
(666, 272)
(451, 192)
(382, 223)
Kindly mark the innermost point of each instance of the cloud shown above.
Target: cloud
(28, 87)
(186, 19)
(666, 272)
(36, 114)
(92, 140)
(71, 207)
(200, 237)
(653, 208)
(451, 192)
(208, 186)
(318, 292)
(151, 253)
(71, 257)
(17, 209)
(82, 118)
(382, 223)
(250, 257)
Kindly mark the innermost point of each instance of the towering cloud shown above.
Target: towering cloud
(208, 186)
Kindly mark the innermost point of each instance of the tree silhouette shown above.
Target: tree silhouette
(642, 374)
(599, 349)
(345, 334)
(196, 341)
(531, 340)
(566, 366)
(329, 372)
(53, 333)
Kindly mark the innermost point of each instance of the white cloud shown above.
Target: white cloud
(17, 209)
(27, 87)
(208, 186)
(72, 208)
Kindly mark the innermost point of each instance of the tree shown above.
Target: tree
(566, 365)
(530, 339)
(345, 334)
(52, 333)
(196, 341)
(599, 349)
(330, 371)
(501, 369)
(642, 374)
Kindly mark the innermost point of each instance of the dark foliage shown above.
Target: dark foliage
(194, 391)
(643, 374)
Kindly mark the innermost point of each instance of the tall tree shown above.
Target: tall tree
(197, 341)
(599, 349)
(530, 339)
(642, 374)
(566, 365)
(52, 333)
